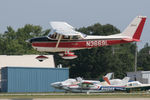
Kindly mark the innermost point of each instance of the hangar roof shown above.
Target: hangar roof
(25, 61)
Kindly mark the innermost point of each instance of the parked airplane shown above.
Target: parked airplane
(86, 87)
(129, 86)
(64, 38)
(64, 84)
(80, 85)
(137, 86)
(71, 81)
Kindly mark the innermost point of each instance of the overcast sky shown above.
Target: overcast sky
(78, 13)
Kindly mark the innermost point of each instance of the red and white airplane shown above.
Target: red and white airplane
(64, 38)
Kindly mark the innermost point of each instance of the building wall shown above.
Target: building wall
(21, 79)
(141, 76)
(25, 61)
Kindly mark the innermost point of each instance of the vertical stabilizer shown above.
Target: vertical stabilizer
(135, 28)
(106, 79)
(125, 80)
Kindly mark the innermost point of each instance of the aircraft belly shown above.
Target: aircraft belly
(94, 91)
(54, 49)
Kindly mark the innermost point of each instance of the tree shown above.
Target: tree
(13, 42)
(144, 58)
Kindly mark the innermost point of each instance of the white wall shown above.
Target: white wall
(141, 76)
(25, 61)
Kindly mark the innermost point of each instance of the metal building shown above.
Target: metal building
(25, 79)
(141, 76)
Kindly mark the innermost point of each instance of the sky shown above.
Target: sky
(78, 13)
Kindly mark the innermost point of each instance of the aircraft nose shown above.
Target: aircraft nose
(56, 84)
(28, 41)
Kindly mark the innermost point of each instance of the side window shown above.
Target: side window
(66, 37)
(76, 37)
(53, 36)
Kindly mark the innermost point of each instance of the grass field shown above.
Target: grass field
(74, 95)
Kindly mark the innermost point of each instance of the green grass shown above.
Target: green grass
(73, 95)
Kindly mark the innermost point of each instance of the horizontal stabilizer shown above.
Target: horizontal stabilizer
(130, 40)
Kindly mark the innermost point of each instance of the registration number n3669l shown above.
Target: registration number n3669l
(96, 43)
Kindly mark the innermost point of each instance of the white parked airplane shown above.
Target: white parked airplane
(71, 81)
(137, 86)
(80, 85)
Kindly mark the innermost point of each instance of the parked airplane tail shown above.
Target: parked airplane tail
(135, 28)
(125, 80)
(108, 76)
(106, 79)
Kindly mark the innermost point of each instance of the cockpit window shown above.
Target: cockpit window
(64, 37)
(84, 35)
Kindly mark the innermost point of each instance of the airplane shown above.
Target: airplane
(71, 81)
(87, 86)
(80, 85)
(63, 84)
(64, 38)
(128, 86)
(136, 86)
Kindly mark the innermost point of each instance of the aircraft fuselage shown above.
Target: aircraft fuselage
(49, 45)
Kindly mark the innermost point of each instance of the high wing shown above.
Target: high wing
(64, 28)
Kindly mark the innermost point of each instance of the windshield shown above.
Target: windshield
(84, 35)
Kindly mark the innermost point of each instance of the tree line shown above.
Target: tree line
(91, 63)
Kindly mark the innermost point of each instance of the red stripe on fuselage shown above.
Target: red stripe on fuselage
(79, 44)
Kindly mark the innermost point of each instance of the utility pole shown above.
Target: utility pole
(135, 63)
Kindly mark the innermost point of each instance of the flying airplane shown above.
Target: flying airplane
(64, 38)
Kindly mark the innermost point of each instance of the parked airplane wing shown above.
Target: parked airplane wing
(137, 88)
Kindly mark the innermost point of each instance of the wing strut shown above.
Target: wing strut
(59, 38)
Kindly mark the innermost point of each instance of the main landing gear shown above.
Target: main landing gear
(68, 55)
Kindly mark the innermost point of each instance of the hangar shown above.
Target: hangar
(26, 61)
(25, 73)
(141, 76)
(28, 79)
